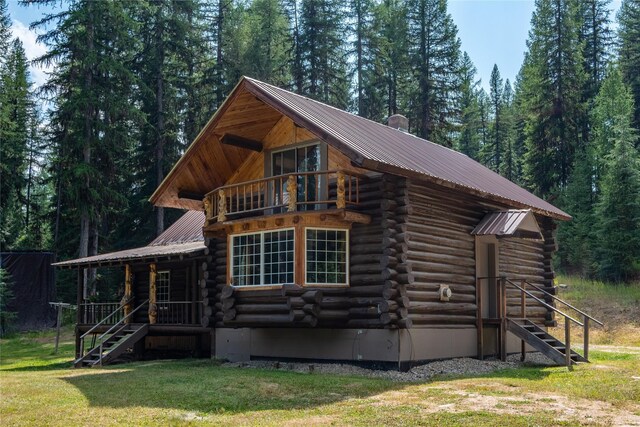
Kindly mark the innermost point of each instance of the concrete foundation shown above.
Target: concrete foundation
(396, 346)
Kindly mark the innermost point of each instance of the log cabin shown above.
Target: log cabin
(327, 236)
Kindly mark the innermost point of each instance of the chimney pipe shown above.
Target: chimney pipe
(398, 121)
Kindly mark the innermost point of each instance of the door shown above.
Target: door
(298, 160)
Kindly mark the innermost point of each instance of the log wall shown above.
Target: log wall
(441, 250)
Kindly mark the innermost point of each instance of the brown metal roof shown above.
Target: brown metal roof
(511, 222)
(186, 229)
(374, 145)
(368, 144)
(183, 237)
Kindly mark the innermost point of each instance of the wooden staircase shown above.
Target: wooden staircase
(542, 341)
(113, 346)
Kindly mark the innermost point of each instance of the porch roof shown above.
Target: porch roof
(510, 223)
(184, 237)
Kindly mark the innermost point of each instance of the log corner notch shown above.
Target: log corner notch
(241, 142)
(153, 306)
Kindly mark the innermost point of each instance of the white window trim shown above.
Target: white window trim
(164, 304)
(261, 233)
(304, 243)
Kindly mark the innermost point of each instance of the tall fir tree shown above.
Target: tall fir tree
(629, 35)
(16, 107)
(268, 54)
(510, 150)
(470, 134)
(434, 53)
(618, 208)
(91, 123)
(492, 152)
(552, 82)
(324, 51)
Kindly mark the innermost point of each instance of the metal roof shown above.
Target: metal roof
(378, 147)
(183, 237)
(511, 222)
(186, 229)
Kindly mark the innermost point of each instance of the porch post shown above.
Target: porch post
(153, 307)
(79, 311)
(128, 308)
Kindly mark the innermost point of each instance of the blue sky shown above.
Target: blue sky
(492, 32)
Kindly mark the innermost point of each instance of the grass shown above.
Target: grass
(39, 388)
(617, 305)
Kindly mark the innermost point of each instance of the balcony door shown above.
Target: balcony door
(298, 161)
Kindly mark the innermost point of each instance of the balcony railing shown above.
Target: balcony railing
(283, 193)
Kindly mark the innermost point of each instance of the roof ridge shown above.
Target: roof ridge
(353, 114)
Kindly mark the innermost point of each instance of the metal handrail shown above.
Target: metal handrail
(83, 336)
(122, 320)
(544, 303)
(106, 318)
(564, 302)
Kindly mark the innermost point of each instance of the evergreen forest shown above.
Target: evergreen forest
(133, 82)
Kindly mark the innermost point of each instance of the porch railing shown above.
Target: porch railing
(283, 193)
(178, 312)
(94, 312)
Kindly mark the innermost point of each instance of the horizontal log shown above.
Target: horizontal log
(262, 308)
(442, 319)
(442, 308)
(434, 296)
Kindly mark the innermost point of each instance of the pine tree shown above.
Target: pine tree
(91, 124)
(434, 54)
(629, 35)
(392, 54)
(15, 109)
(470, 135)
(552, 83)
(267, 57)
(324, 53)
(510, 151)
(492, 155)
(618, 181)
(5, 30)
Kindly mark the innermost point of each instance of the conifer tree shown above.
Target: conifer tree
(510, 150)
(5, 30)
(629, 35)
(470, 135)
(267, 57)
(552, 83)
(492, 155)
(324, 53)
(434, 54)
(15, 109)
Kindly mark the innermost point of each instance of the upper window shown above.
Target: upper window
(265, 258)
(297, 161)
(326, 256)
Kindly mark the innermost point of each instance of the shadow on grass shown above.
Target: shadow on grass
(203, 386)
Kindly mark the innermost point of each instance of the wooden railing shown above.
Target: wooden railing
(94, 312)
(178, 312)
(283, 193)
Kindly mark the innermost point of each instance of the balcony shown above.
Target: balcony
(334, 191)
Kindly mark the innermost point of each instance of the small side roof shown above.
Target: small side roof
(368, 144)
(184, 237)
(509, 223)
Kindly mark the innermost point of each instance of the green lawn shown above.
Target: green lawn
(39, 388)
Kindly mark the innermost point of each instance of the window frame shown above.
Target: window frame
(163, 304)
(347, 258)
(231, 253)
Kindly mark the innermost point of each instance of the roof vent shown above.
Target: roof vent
(398, 121)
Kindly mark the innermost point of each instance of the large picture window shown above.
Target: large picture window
(326, 256)
(265, 258)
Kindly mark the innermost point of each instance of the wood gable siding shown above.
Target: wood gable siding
(282, 134)
(442, 251)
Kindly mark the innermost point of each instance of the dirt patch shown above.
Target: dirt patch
(503, 399)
